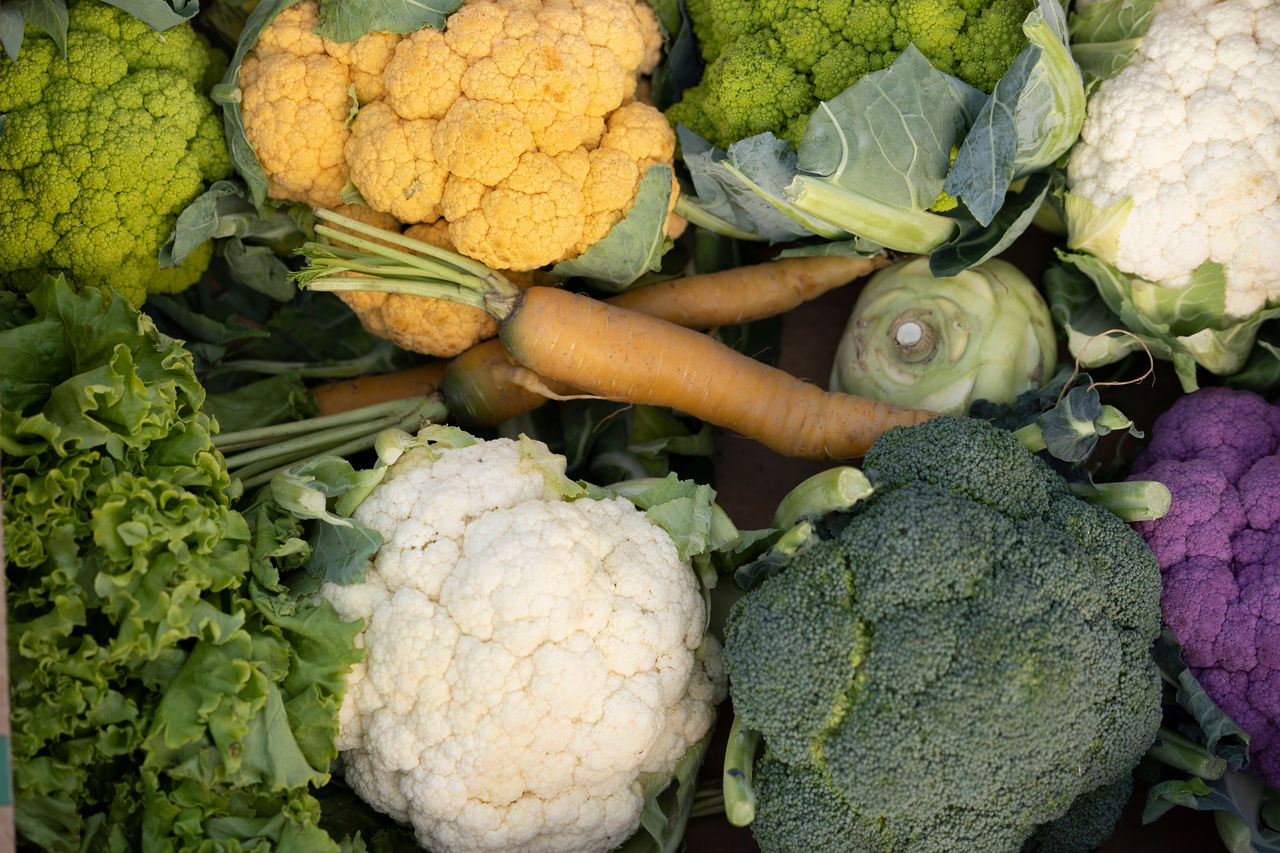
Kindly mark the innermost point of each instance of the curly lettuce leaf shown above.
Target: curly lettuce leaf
(166, 687)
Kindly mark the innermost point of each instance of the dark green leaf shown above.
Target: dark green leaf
(985, 163)
(976, 243)
(256, 404)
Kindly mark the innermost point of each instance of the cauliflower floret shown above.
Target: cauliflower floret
(1189, 131)
(296, 98)
(530, 662)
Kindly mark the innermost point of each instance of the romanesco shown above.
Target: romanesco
(961, 662)
(769, 63)
(102, 150)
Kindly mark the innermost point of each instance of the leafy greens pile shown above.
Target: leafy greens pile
(167, 689)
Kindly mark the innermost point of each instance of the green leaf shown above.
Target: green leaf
(635, 245)
(48, 16)
(1187, 326)
(889, 136)
(1032, 118)
(1105, 34)
(745, 187)
(160, 15)
(226, 94)
(975, 243)
(272, 400)
(348, 20)
(985, 163)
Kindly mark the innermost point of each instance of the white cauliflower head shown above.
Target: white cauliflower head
(1189, 131)
(531, 662)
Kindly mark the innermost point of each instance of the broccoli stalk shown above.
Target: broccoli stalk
(739, 759)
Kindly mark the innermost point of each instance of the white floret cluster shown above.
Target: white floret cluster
(1190, 131)
(530, 662)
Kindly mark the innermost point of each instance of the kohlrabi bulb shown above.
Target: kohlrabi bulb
(941, 343)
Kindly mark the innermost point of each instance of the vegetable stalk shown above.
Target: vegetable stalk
(740, 756)
(254, 456)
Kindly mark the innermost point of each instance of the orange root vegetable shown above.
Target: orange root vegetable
(343, 395)
(624, 355)
(485, 387)
(614, 353)
(743, 294)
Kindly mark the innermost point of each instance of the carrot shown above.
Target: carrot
(484, 386)
(342, 395)
(612, 352)
(743, 294)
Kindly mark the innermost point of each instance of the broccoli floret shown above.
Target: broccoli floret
(102, 151)
(962, 658)
(810, 50)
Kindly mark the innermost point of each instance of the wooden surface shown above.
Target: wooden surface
(750, 480)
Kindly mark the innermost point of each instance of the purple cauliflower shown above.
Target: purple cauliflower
(1218, 451)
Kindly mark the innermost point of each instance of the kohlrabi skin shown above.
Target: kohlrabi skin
(941, 343)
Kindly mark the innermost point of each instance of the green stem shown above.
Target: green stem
(739, 757)
(703, 218)
(246, 438)
(332, 435)
(349, 367)
(708, 801)
(901, 229)
(827, 491)
(418, 247)
(1182, 753)
(423, 270)
(1131, 500)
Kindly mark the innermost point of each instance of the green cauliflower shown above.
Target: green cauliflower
(102, 150)
(961, 662)
(769, 63)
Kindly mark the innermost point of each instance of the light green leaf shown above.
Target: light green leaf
(1094, 229)
(889, 136)
(348, 20)
(1105, 34)
(633, 246)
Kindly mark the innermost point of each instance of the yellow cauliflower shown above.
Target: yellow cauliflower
(296, 91)
(517, 125)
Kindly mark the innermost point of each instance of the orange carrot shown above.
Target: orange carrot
(343, 395)
(615, 353)
(624, 355)
(484, 386)
(743, 294)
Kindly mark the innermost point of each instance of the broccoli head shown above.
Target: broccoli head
(103, 149)
(812, 50)
(962, 661)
